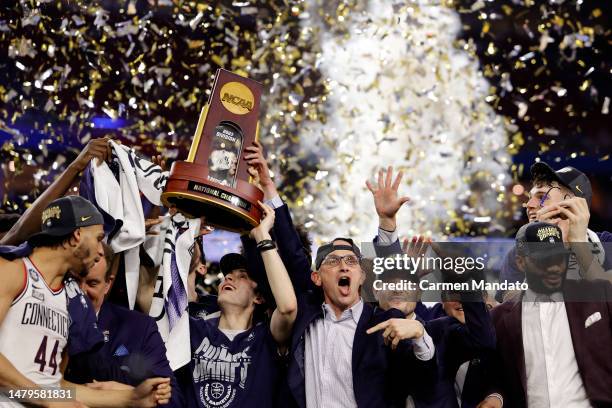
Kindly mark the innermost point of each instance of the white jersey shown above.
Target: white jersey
(35, 329)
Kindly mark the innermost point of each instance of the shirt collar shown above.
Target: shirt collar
(531, 296)
(353, 312)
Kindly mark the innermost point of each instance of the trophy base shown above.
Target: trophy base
(225, 207)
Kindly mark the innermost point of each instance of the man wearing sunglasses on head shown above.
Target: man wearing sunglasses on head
(563, 198)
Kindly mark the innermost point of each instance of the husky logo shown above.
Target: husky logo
(222, 373)
(33, 275)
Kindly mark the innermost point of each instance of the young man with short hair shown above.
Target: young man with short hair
(236, 357)
(563, 197)
(33, 307)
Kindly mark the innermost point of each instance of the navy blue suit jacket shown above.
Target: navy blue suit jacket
(457, 343)
(290, 248)
(133, 351)
(381, 377)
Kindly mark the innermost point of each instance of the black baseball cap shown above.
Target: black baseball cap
(327, 249)
(66, 214)
(232, 261)
(540, 239)
(574, 179)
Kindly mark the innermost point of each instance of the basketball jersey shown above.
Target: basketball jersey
(35, 329)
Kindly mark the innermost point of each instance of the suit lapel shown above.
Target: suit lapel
(513, 324)
(360, 339)
(575, 320)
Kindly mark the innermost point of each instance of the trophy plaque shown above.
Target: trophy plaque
(213, 181)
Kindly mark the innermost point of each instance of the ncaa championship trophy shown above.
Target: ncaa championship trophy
(213, 181)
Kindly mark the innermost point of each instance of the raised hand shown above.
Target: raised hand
(262, 231)
(96, 148)
(386, 198)
(160, 161)
(150, 223)
(256, 161)
(416, 247)
(576, 211)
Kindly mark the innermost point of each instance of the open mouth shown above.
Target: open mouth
(227, 287)
(344, 283)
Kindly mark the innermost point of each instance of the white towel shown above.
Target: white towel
(169, 304)
(121, 199)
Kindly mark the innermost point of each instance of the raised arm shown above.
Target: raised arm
(278, 279)
(387, 203)
(290, 247)
(29, 223)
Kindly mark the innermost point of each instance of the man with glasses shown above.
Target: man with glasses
(562, 198)
(338, 356)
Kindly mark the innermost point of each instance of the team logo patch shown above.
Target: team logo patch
(121, 351)
(38, 295)
(217, 395)
(72, 289)
(33, 275)
(222, 374)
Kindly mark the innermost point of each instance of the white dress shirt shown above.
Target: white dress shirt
(328, 354)
(553, 379)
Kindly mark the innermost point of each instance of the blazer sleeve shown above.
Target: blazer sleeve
(155, 350)
(290, 248)
(383, 251)
(409, 374)
(292, 251)
(95, 365)
(478, 332)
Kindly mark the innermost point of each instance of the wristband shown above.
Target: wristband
(266, 245)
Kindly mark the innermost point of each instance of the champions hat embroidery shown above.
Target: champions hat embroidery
(66, 214)
(540, 240)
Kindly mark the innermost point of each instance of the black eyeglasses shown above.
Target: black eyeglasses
(545, 197)
(334, 260)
